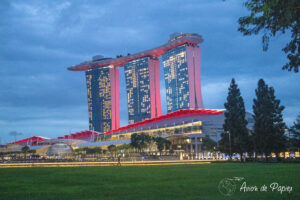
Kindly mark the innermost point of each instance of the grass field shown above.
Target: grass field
(147, 182)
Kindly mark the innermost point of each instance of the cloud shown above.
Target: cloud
(38, 121)
(40, 39)
(213, 95)
(14, 133)
(42, 90)
(215, 92)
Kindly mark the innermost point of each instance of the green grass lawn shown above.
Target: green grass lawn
(147, 182)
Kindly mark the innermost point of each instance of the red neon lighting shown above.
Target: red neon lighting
(114, 83)
(30, 140)
(193, 61)
(79, 135)
(154, 79)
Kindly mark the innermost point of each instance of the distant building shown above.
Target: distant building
(103, 98)
(143, 91)
(182, 77)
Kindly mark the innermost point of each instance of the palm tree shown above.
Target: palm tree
(25, 150)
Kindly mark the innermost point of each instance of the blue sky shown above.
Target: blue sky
(40, 39)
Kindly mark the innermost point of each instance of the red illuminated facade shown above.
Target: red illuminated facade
(114, 84)
(154, 77)
(31, 140)
(82, 135)
(193, 55)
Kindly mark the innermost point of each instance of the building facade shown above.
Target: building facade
(103, 98)
(143, 89)
(185, 129)
(182, 77)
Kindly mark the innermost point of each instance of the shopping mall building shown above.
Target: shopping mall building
(184, 128)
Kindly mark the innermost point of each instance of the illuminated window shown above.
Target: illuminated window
(176, 78)
(138, 90)
(99, 99)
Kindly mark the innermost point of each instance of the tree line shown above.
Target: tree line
(268, 134)
(139, 142)
(24, 150)
(142, 141)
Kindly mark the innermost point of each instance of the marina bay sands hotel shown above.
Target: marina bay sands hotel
(181, 64)
(185, 124)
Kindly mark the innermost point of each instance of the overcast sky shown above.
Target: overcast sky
(40, 39)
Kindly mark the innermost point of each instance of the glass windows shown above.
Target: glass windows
(176, 78)
(187, 128)
(99, 99)
(138, 90)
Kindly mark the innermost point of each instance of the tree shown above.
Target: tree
(295, 135)
(79, 151)
(140, 141)
(279, 139)
(97, 150)
(167, 144)
(134, 141)
(224, 143)
(2, 154)
(269, 127)
(25, 150)
(112, 148)
(32, 151)
(162, 143)
(272, 17)
(124, 147)
(92, 151)
(235, 124)
(208, 144)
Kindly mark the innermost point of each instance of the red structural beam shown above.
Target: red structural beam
(79, 135)
(30, 139)
(175, 114)
(155, 52)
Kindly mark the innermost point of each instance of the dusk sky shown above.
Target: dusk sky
(40, 39)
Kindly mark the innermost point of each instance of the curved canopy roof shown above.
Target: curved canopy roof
(30, 140)
(175, 114)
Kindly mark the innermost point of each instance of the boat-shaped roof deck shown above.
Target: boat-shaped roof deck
(189, 38)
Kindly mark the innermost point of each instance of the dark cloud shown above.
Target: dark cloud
(40, 39)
